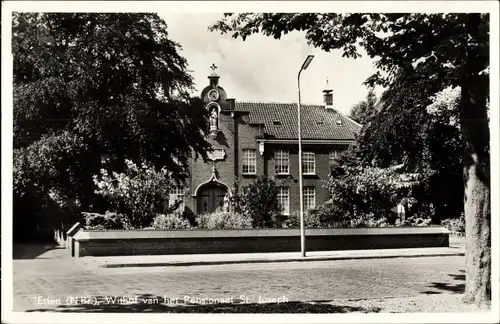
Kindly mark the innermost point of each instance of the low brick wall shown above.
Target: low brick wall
(116, 243)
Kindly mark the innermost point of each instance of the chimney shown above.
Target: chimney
(328, 97)
(232, 103)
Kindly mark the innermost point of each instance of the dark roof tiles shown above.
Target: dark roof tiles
(317, 122)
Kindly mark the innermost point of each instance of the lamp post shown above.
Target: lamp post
(302, 224)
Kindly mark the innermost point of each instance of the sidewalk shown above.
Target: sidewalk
(216, 259)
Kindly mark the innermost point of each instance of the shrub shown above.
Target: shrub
(97, 228)
(369, 220)
(311, 220)
(174, 221)
(141, 192)
(258, 201)
(417, 220)
(360, 191)
(330, 216)
(455, 225)
(109, 220)
(224, 220)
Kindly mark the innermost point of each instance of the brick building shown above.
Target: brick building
(252, 139)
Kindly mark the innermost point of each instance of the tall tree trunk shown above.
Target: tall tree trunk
(475, 130)
(477, 213)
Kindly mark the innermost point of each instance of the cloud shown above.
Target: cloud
(264, 69)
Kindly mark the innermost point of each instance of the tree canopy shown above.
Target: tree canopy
(450, 48)
(91, 90)
(397, 40)
(418, 130)
(363, 111)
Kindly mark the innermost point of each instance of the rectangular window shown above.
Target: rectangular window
(282, 161)
(176, 194)
(284, 200)
(332, 156)
(249, 162)
(308, 163)
(309, 198)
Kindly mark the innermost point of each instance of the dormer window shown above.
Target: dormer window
(276, 122)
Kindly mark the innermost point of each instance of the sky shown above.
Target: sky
(264, 69)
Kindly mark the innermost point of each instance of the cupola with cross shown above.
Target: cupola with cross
(214, 98)
(214, 93)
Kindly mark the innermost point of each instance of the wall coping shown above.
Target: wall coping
(83, 235)
(74, 229)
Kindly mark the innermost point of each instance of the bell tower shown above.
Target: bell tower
(213, 77)
(214, 98)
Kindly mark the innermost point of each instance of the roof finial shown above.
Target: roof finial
(327, 89)
(213, 67)
(214, 172)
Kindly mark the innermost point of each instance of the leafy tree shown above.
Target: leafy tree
(395, 132)
(91, 90)
(444, 106)
(363, 111)
(259, 201)
(443, 150)
(405, 132)
(44, 181)
(456, 48)
(140, 193)
(360, 192)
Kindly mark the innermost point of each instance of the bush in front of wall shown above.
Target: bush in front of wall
(141, 192)
(223, 220)
(455, 225)
(107, 221)
(174, 221)
(259, 201)
(311, 220)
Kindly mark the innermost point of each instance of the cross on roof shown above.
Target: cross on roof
(327, 82)
(213, 67)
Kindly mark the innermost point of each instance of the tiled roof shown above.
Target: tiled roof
(280, 120)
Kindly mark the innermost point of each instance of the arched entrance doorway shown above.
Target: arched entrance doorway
(211, 198)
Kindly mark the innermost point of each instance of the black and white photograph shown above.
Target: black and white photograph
(289, 162)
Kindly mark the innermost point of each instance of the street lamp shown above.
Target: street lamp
(302, 225)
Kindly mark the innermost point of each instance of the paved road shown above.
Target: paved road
(46, 283)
